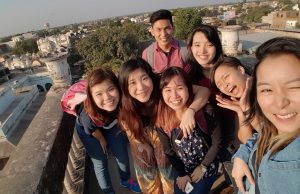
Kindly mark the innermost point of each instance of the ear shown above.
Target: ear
(151, 31)
(241, 69)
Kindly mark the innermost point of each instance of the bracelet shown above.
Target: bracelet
(203, 168)
(192, 109)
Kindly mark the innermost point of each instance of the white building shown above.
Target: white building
(53, 43)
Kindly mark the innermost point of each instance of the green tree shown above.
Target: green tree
(111, 45)
(25, 46)
(255, 15)
(5, 39)
(186, 20)
(239, 8)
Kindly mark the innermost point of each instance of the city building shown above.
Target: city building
(282, 19)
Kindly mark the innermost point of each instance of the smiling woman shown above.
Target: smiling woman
(99, 130)
(137, 114)
(233, 80)
(275, 100)
(193, 157)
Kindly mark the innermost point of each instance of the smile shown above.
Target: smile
(141, 93)
(176, 102)
(203, 56)
(231, 89)
(286, 116)
(109, 102)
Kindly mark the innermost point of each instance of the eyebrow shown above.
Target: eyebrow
(293, 80)
(222, 77)
(287, 82)
(144, 74)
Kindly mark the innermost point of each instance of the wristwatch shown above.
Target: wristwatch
(203, 168)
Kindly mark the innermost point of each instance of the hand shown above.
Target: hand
(98, 135)
(188, 123)
(148, 154)
(103, 144)
(232, 104)
(77, 99)
(182, 181)
(239, 170)
(243, 100)
(198, 174)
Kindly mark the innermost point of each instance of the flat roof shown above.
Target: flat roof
(253, 40)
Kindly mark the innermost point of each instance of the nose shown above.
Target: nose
(140, 86)
(281, 100)
(223, 85)
(164, 32)
(202, 49)
(174, 94)
(106, 95)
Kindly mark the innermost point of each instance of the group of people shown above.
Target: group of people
(181, 106)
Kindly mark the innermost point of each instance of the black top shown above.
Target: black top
(86, 122)
(172, 149)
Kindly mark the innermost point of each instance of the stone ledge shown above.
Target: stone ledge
(38, 163)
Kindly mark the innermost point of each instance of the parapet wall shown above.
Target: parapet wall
(38, 163)
(291, 33)
(9, 124)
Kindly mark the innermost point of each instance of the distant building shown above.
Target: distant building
(225, 7)
(214, 21)
(229, 15)
(272, 4)
(249, 5)
(53, 43)
(296, 7)
(282, 19)
(25, 36)
(16, 39)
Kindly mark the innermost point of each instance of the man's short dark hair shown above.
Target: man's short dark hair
(161, 14)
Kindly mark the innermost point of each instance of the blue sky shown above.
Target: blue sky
(17, 16)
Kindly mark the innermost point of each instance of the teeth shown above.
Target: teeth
(109, 102)
(176, 102)
(286, 116)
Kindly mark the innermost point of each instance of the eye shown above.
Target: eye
(111, 89)
(294, 87)
(226, 76)
(145, 78)
(167, 90)
(209, 45)
(131, 83)
(168, 28)
(266, 90)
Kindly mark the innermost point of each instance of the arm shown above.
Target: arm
(188, 119)
(98, 135)
(245, 149)
(245, 130)
(240, 163)
(170, 153)
(212, 152)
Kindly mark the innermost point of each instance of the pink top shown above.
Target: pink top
(164, 60)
